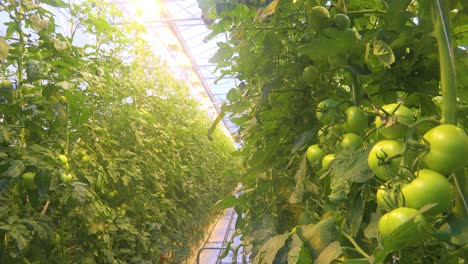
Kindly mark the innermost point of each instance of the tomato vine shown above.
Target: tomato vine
(103, 156)
(300, 67)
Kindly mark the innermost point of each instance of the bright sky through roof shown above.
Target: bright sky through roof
(147, 9)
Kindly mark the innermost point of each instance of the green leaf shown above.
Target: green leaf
(55, 3)
(356, 213)
(301, 173)
(383, 52)
(218, 119)
(455, 231)
(301, 140)
(263, 14)
(330, 253)
(4, 49)
(298, 253)
(16, 168)
(318, 236)
(372, 230)
(228, 202)
(269, 250)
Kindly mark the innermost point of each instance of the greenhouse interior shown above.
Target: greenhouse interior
(233, 131)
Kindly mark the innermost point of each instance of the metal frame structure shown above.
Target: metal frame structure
(182, 18)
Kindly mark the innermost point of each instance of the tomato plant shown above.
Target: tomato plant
(398, 63)
(101, 159)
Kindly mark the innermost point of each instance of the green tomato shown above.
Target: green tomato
(63, 159)
(315, 154)
(112, 194)
(319, 17)
(448, 149)
(29, 179)
(390, 221)
(326, 111)
(380, 151)
(6, 85)
(341, 21)
(402, 116)
(309, 75)
(356, 120)
(386, 198)
(65, 177)
(327, 159)
(85, 159)
(428, 187)
(351, 141)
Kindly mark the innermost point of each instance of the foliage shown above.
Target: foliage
(287, 65)
(103, 156)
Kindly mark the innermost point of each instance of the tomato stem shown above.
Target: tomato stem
(448, 85)
(448, 80)
(417, 145)
(356, 246)
(389, 159)
(424, 121)
(356, 90)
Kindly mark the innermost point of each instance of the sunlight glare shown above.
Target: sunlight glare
(147, 9)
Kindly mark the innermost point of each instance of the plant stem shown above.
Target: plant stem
(448, 84)
(356, 246)
(365, 12)
(423, 121)
(356, 89)
(448, 80)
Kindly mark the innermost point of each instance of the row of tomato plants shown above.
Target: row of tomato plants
(353, 126)
(103, 156)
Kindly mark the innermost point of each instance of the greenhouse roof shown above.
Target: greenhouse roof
(178, 33)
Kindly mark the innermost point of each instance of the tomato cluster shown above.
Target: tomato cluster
(411, 167)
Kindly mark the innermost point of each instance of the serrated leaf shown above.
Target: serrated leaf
(383, 52)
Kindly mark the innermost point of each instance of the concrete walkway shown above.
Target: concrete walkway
(218, 238)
